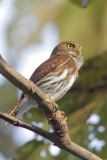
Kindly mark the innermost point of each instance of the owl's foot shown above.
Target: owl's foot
(64, 115)
(55, 106)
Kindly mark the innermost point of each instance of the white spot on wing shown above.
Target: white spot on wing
(53, 65)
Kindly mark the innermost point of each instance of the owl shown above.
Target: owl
(55, 76)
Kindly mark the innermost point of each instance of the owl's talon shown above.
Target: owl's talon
(55, 106)
(55, 109)
(64, 115)
(67, 120)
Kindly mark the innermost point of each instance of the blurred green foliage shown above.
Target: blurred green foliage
(88, 27)
(86, 97)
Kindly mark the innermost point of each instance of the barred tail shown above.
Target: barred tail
(12, 111)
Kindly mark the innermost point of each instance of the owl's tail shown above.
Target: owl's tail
(11, 112)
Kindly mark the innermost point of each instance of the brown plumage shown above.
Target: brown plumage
(55, 76)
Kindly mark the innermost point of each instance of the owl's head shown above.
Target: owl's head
(70, 48)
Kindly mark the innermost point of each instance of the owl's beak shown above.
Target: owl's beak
(79, 51)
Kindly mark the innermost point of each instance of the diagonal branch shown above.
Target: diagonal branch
(19, 123)
(60, 137)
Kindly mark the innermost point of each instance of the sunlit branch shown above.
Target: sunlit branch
(60, 137)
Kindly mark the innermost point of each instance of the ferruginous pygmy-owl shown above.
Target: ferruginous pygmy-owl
(55, 76)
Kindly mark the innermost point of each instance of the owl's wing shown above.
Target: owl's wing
(48, 66)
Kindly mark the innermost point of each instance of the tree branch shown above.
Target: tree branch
(60, 137)
(19, 123)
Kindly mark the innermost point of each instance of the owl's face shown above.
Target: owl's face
(70, 48)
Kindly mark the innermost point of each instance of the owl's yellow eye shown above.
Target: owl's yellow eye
(70, 46)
